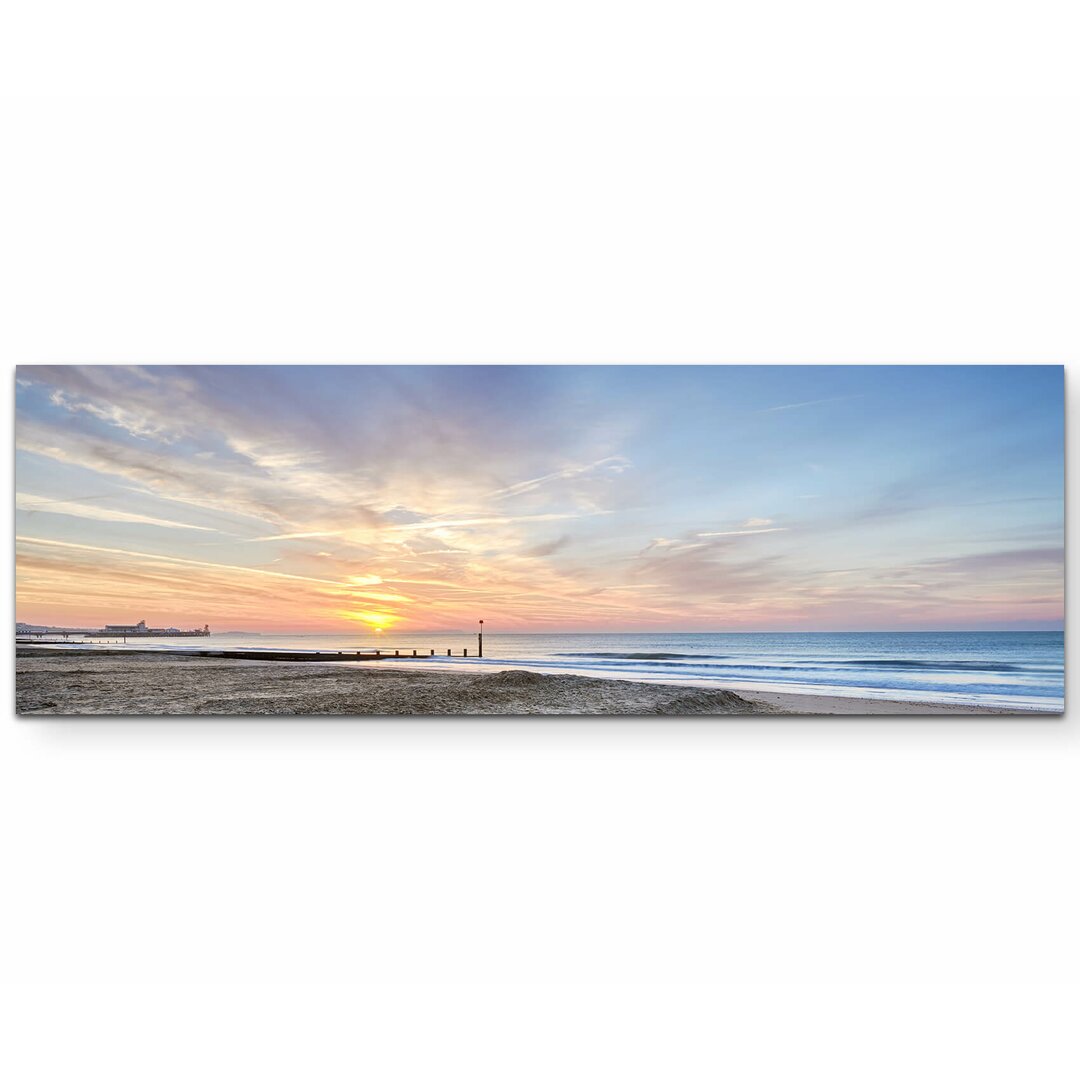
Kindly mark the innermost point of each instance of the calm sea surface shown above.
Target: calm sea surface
(1003, 669)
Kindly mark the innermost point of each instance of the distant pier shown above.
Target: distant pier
(110, 630)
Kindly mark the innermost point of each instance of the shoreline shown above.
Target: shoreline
(119, 682)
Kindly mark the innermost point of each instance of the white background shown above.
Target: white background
(492, 182)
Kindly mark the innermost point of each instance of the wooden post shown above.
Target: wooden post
(464, 652)
(414, 652)
(447, 652)
(432, 652)
(397, 652)
(480, 638)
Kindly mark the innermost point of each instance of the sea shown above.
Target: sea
(1020, 670)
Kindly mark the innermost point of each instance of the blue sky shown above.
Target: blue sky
(546, 498)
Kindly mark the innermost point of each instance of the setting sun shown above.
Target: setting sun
(376, 620)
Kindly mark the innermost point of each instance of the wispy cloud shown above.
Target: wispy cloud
(152, 557)
(807, 404)
(612, 465)
(492, 519)
(291, 536)
(39, 504)
(743, 532)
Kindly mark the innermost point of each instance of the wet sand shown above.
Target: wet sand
(85, 683)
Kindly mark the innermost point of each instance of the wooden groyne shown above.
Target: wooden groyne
(35, 649)
(266, 654)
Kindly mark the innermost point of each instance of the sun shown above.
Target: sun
(374, 620)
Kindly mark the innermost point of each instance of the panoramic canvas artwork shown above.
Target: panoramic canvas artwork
(566, 540)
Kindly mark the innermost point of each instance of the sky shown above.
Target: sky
(363, 499)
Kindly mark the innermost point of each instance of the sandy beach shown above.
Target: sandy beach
(148, 684)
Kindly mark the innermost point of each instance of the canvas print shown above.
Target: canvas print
(666, 540)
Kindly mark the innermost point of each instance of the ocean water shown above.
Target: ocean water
(1011, 669)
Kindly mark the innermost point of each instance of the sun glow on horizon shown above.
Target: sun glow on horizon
(376, 620)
